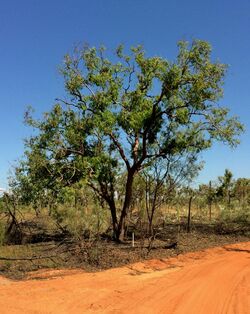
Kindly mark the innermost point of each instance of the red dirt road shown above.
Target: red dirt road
(211, 281)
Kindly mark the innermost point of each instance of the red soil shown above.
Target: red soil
(211, 281)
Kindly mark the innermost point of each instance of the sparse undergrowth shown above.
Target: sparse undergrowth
(100, 254)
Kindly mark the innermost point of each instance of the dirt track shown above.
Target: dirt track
(212, 281)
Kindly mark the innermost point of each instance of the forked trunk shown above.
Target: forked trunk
(126, 206)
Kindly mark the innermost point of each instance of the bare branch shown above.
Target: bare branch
(25, 258)
(120, 149)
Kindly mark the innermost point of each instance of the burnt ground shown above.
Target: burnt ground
(102, 253)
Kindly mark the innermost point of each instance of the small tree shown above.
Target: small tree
(226, 186)
(163, 177)
(123, 114)
(241, 191)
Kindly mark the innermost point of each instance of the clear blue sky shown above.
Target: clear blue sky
(35, 34)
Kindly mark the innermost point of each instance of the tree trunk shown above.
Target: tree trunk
(126, 205)
(189, 214)
(229, 198)
(114, 217)
(210, 200)
(210, 211)
(151, 218)
(150, 226)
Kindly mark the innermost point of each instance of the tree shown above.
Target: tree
(123, 114)
(162, 177)
(36, 187)
(226, 186)
(208, 194)
(241, 191)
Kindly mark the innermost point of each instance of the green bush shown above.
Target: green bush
(79, 222)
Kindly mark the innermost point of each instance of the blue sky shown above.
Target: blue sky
(35, 35)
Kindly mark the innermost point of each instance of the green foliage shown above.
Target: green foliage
(80, 223)
(123, 114)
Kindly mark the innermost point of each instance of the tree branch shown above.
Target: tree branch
(120, 149)
(25, 258)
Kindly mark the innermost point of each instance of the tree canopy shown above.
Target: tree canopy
(124, 113)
